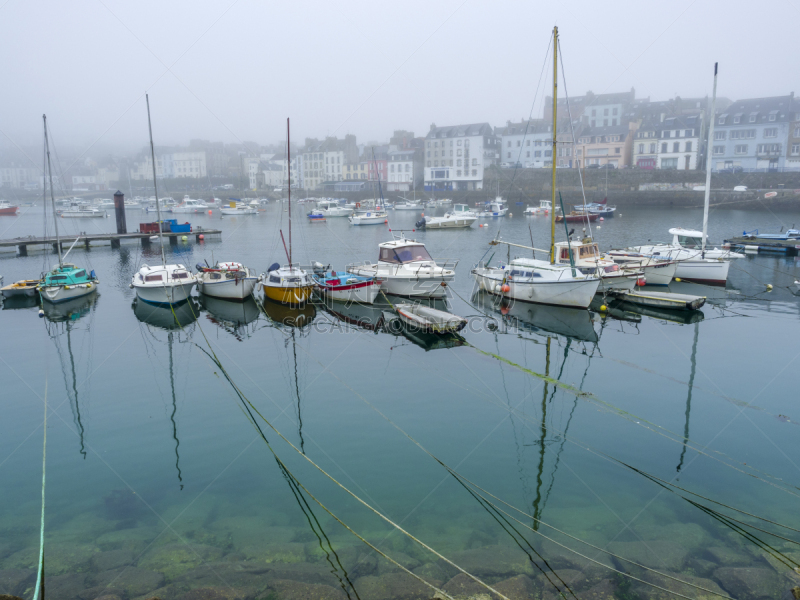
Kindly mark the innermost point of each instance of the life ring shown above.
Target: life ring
(358, 204)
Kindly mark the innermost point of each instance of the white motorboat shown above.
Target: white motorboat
(450, 220)
(587, 259)
(405, 268)
(331, 208)
(533, 280)
(226, 280)
(369, 217)
(165, 204)
(544, 208)
(237, 208)
(82, 211)
(657, 271)
(190, 206)
(497, 208)
(408, 205)
(165, 284)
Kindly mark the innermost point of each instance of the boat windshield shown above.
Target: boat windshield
(588, 251)
(689, 242)
(404, 255)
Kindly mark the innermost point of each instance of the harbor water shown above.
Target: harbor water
(203, 452)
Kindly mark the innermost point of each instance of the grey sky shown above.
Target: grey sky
(238, 68)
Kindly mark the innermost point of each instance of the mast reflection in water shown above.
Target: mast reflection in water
(173, 320)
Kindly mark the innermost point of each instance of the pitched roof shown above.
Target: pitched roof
(783, 108)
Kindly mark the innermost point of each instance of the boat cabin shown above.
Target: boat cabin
(461, 208)
(402, 251)
(687, 238)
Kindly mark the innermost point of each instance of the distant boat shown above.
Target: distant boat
(82, 211)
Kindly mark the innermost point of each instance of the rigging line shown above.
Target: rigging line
(530, 114)
(455, 474)
(216, 360)
(40, 575)
(306, 509)
(247, 403)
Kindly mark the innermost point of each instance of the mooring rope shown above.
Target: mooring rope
(40, 575)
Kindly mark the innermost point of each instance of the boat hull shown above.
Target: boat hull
(379, 220)
(621, 283)
(709, 271)
(58, 294)
(164, 295)
(26, 288)
(461, 223)
(576, 218)
(9, 210)
(229, 289)
(83, 215)
(363, 292)
(288, 295)
(660, 274)
(409, 287)
(575, 294)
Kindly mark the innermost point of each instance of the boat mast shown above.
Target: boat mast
(289, 163)
(52, 198)
(155, 185)
(553, 157)
(709, 147)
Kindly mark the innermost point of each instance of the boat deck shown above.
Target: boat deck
(746, 243)
(115, 239)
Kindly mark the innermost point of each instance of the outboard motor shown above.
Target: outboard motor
(420, 224)
(200, 268)
(319, 268)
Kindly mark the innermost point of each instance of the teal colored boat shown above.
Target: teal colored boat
(67, 282)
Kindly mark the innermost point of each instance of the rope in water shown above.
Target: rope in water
(241, 395)
(40, 574)
(462, 478)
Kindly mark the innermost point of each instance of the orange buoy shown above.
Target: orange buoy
(209, 211)
(506, 288)
(641, 281)
(386, 222)
(201, 237)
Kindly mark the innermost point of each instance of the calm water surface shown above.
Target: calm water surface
(158, 481)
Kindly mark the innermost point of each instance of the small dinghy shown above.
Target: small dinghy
(25, 287)
(429, 320)
(343, 286)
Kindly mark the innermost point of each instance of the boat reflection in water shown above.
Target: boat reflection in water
(299, 317)
(21, 301)
(233, 317)
(172, 319)
(60, 320)
(167, 317)
(540, 318)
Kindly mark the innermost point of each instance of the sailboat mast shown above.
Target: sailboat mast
(709, 147)
(155, 185)
(289, 163)
(553, 157)
(52, 197)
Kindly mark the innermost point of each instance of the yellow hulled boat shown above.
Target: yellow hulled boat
(288, 285)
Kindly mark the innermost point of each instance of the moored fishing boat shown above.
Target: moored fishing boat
(82, 211)
(544, 208)
(226, 280)
(576, 217)
(429, 320)
(369, 217)
(587, 259)
(657, 271)
(236, 207)
(497, 208)
(7, 209)
(405, 268)
(345, 287)
(289, 284)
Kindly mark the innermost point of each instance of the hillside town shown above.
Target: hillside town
(598, 131)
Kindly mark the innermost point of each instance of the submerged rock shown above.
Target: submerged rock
(9, 597)
(392, 586)
(132, 581)
(16, 581)
(122, 504)
(64, 586)
(656, 554)
(409, 562)
(726, 557)
(135, 539)
(750, 583)
(464, 586)
(686, 589)
(111, 559)
(175, 559)
(520, 587)
(297, 590)
(61, 558)
(494, 561)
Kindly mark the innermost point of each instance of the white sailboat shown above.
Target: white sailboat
(165, 284)
(534, 280)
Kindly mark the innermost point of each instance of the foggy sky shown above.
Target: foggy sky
(234, 70)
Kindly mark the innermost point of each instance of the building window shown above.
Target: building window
(795, 149)
(459, 152)
(436, 163)
(740, 149)
(459, 143)
(797, 132)
(518, 143)
(458, 173)
(641, 148)
(652, 148)
(721, 121)
(753, 118)
(617, 150)
(615, 111)
(664, 147)
(537, 154)
(474, 172)
(772, 117)
(548, 153)
(508, 155)
(528, 154)
(719, 150)
(676, 147)
(771, 132)
(688, 146)
(737, 119)
(669, 163)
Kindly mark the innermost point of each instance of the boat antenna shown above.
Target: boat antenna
(52, 198)
(708, 164)
(553, 156)
(155, 185)
(289, 163)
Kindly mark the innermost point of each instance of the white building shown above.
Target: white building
(456, 156)
(270, 175)
(322, 161)
(671, 143)
(171, 165)
(404, 170)
(20, 177)
(529, 143)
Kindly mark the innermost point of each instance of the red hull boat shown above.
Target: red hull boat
(574, 217)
